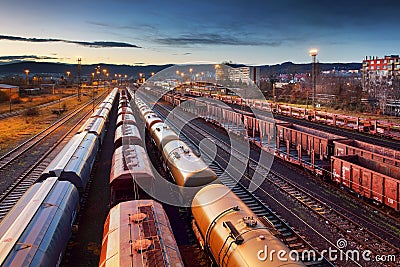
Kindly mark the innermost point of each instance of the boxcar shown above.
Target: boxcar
(130, 167)
(127, 134)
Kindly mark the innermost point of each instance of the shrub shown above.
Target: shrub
(16, 101)
(33, 111)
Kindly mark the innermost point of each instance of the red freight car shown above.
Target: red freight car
(130, 167)
(367, 150)
(369, 178)
(304, 146)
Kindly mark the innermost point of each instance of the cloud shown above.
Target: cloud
(182, 54)
(24, 58)
(95, 44)
(213, 39)
(142, 27)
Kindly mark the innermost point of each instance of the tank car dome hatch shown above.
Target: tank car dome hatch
(138, 217)
(250, 221)
(141, 245)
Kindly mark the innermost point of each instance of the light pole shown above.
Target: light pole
(79, 78)
(68, 73)
(313, 54)
(104, 76)
(27, 77)
(108, 84)
(10, 99)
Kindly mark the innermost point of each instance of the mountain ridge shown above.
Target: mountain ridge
(86, 70)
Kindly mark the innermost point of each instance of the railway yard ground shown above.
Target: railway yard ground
(29, 101)
(16, 129)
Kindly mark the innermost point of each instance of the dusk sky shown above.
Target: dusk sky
(158, 32)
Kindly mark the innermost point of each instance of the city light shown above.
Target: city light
(313, 52)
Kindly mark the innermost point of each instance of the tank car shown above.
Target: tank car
(150, 119)
(36, 231)
(231, 232)
(138, 233)
(186, 168)
(144, 110)
(129, 164)
(162, 134)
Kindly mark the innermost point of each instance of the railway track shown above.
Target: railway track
(357, 234)
(29, 173)
(274, 222)
(20, 111)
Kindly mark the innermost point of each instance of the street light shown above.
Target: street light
(68, 73)
(108, 84)
(27, 77)
(104, 74)
(313, 53)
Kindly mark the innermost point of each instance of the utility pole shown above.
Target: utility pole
(10, 99)
(79, 78)
(313, 54)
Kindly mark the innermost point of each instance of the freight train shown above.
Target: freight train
(187, 169)
(36, 231)
(360, 124)
(137, 231)
(372, 173)
(214, 207)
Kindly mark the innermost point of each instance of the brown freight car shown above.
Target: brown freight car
(367, 150)
(305, 146)
(369, 178)
(130, 168)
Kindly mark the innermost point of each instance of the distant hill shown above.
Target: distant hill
(61, 68)
(290, 67)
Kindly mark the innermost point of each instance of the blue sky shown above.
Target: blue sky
(159, 32)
